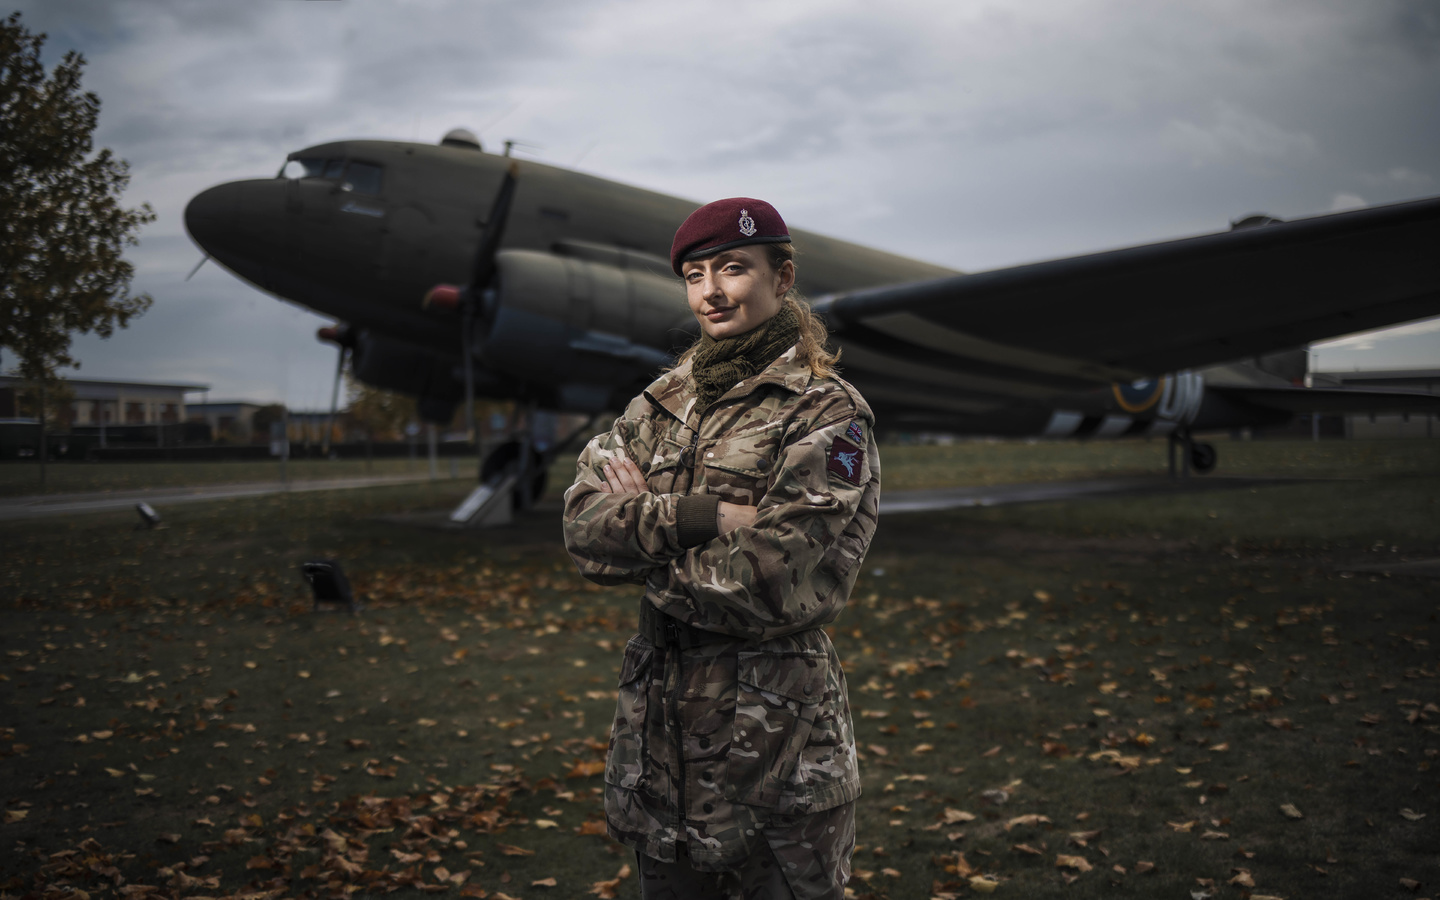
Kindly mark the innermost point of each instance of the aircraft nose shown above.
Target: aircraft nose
(243, 225)
(213, 214)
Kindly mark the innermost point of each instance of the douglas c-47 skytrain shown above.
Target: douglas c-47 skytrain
(458, 272)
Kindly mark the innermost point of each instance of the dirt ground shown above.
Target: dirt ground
(1217, 693)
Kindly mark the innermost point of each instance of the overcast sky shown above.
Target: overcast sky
(972, 134)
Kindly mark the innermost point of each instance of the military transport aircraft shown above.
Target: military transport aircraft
(458, 273)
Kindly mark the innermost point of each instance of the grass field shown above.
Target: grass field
(1147, 696)
(906, 467)
(22, 478)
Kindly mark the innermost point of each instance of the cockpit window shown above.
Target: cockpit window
(334, 168)
(362, 178)
(307, 167)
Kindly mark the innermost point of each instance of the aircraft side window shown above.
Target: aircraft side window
(362, 178)
(334, 168)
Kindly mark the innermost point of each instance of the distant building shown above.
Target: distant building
(228, 419)
(1386, 426)
(109, 402)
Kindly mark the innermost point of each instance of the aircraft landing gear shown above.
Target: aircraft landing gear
(1198, 456)
(513, 475)
(505, 459)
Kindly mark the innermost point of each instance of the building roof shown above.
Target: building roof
(187, 387)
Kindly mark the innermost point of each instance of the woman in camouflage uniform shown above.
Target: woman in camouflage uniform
(741, 489)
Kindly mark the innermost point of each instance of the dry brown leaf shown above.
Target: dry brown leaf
(1026, 848)
(1290, 811)
(1143, 866)
(592, 826)
(543, 882)
(1181, 827)
(983, 884)
(512, 850)
(1411, 815)
(892, 873)
(1242, 878)
(1078, 863)
(1027, 819)
(1409, 884)
(1215, 836)
(953, 816)
(585, 768)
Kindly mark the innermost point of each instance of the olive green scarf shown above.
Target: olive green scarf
(717, 366)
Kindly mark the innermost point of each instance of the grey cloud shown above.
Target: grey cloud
(971, 134)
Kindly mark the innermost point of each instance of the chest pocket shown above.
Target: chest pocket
(739, 466)
(665, 471)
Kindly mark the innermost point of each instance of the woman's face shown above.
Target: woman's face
(736, 291)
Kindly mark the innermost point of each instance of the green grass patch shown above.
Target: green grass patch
(23, 478)
(1129, 681)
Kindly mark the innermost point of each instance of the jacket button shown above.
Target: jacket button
(709, 807)
(762, 464)
(809, 689)
(704, 743)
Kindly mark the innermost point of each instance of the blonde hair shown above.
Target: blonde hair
(813, 343)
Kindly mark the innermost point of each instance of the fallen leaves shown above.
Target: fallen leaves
(586, 768)
(1290, 811)
(605, 890)
(1028, 819)
(1078, 863)
(512, 850)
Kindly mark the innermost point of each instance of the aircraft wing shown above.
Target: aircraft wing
(1338, 400)
(1123, 314)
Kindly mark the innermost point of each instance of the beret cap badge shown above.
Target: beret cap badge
(719, 226)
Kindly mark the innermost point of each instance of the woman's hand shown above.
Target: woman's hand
(730, 516)
(623, 477)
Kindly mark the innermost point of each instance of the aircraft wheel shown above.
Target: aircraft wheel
(507, 456)
(1203, 457)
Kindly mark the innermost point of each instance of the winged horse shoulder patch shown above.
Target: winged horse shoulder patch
(845, 460)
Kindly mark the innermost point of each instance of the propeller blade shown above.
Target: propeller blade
(484, 267)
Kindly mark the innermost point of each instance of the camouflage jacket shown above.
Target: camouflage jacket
(709, 742)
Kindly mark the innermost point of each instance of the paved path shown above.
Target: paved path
(893, 502)
(40, 505)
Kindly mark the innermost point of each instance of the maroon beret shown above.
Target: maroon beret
(724, 224)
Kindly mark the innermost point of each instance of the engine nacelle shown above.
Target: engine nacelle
(558, 321)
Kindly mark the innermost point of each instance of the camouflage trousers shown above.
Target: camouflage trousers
(802, 857)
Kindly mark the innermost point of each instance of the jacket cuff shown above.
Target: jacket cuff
(695, 519)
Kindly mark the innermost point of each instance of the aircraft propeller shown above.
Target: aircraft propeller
(482, 271)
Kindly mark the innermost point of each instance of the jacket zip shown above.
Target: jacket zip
(679, 659)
